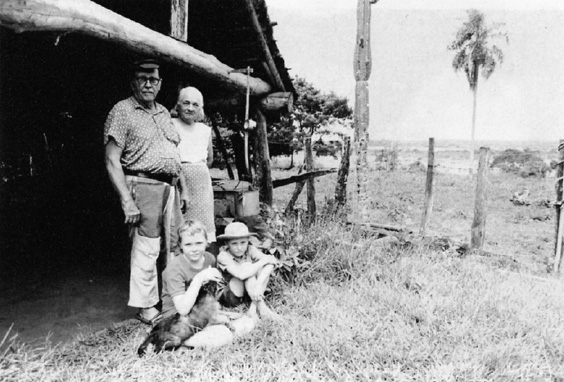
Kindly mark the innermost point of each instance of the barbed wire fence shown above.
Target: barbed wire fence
(455, 160)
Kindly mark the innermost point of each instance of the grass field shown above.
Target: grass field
(364, 310)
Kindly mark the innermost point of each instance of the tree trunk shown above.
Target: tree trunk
(86, 17)
(474, 105)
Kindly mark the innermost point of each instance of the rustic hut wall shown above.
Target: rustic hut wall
(53, 102)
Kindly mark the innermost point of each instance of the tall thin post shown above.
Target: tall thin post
(362, 65)
(429, 188)
(310, 182)
(480, 206)
(342, 176)
(179, 19)
(558, 205)
(263, 178)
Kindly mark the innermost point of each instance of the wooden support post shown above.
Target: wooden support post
(294, 198)
(222, 148)
(558, 205)
(362, 65)
(310, 182)
(342, 176)
(480, 206)
(263, 178)
(179, 19)
(429, 188)
(237, 144)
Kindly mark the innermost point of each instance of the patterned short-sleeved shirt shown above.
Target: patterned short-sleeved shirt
(148, 139)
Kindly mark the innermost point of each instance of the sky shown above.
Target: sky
(414, 92)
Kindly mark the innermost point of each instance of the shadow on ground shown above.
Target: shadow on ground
(64, 259)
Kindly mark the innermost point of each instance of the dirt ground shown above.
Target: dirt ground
(64, 308)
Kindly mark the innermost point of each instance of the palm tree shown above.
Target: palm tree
(474, 54)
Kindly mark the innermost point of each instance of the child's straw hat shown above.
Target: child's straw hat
(236, 230)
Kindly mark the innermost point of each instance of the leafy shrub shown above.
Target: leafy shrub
(387, 158)
(524, 163)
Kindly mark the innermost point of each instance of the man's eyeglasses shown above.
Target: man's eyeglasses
(152, 80)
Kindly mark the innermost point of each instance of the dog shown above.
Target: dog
(171, 332)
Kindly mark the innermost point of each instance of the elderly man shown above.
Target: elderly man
(144, 167)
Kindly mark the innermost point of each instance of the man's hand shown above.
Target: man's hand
(132, 213)
(184, 202)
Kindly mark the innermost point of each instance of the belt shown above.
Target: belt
(165, 178)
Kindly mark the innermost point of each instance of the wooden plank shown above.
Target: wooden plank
(86, 17)
(300, 178)
(179, 19)
(376, 226)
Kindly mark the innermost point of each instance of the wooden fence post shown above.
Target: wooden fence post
(263, 172)
(558, 205)
(310, 182)
(362, 67)
(429, 188)
(480, 206)
(342, 176)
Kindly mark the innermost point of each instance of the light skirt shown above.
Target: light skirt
(200, 192)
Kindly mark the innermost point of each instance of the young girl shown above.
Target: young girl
(186, 273)
(246, 270)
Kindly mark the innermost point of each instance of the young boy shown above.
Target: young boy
(186, 273)
(245, 269)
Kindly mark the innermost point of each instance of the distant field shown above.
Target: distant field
(525, 233)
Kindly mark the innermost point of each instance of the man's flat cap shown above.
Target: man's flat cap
(146, 64)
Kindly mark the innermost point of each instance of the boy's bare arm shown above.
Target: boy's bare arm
(245, 270)
(184, 302)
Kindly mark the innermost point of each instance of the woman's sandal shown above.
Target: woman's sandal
(152, 321)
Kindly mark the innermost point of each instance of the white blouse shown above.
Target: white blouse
(194, 140)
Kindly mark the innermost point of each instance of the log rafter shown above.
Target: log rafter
(86, 17)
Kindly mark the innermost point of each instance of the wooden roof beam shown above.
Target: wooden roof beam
(264, 46)
(86, 17)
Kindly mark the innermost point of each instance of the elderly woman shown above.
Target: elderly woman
(196, 154)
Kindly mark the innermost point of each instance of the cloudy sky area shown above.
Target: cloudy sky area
(414, 92)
